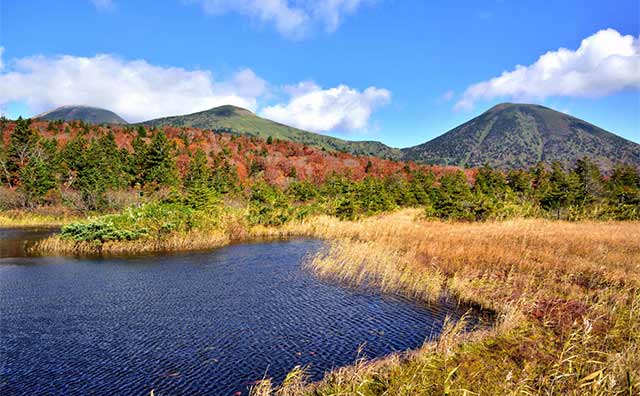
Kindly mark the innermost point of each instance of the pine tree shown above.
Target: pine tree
(158, 167)
(561, 190)
(454, 199)
(21, 144)
(197, 182)
(590, 181)
(36, 180)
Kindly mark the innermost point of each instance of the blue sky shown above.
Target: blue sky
(401, 72)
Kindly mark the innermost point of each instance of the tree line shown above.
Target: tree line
(93, 167)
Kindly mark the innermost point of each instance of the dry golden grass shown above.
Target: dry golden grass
(196, 240)
(568, 295)
(18, 220)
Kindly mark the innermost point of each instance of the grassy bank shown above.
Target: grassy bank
(568, 295)
(19, 219)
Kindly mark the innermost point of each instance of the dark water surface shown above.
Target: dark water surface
(189, 324)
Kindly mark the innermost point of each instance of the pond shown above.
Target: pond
(15, 242)
(206, 323)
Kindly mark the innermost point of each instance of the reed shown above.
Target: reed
(568, 295)
(20, 220)
(182, 241)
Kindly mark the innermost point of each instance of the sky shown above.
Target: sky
(397, 71)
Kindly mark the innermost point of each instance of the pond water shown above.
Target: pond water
(207, 323)
(14, 242)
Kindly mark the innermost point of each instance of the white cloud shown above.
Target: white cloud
(136, 90)
(447, 96)
(605, 62)
(331, 12)
(103, 5)
(320, 110)
(292, 18)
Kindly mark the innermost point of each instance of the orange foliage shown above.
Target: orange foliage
(277, 159)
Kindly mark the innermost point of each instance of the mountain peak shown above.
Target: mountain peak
(519, 135)
(228, 111)
(89, 114)
(511, 106)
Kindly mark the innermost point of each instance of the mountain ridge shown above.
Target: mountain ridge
(506, 136)
(242, 121)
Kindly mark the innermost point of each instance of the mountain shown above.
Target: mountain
(91, 115)
(507, 136)
(244, 122)
(513, 135)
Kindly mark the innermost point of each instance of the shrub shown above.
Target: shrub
(100, 230)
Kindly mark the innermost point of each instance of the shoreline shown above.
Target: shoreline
(552, 284)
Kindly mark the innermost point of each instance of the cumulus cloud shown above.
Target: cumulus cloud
(134, 89)
(340, 108)
(103, 5)
(605, 62)
(292, 18)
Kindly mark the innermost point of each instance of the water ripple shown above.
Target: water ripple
(191, 324)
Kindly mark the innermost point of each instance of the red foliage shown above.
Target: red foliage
(277, 159)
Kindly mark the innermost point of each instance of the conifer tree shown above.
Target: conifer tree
(36, 180)
(197, 182)
(21, 144)
(158, 165)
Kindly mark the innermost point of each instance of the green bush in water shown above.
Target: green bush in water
(101, 230)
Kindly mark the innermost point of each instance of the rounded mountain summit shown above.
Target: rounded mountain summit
(91, 115)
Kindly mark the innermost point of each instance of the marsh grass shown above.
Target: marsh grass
(567, 297)
(187, 241)
(567, 294)
(21, 220)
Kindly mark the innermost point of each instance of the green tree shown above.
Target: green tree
(21, 145)
(158, 165)
(224, 177)
(197, 182)
(268, 205)
(560, 191)
(36, 180)
(453, 198)
(589, 180)
(624, 192)
(368, 167)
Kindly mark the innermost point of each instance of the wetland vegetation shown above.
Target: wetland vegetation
(553, 251)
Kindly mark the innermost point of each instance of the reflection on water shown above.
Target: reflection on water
(14, 242)
(189, 324)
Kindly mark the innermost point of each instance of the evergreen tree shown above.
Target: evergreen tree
(368, 167)
(454, 198)
(590, 181)
(197, 182)
(158, 165)
(224, 175)
(36, 180)
(560, 192)
(21, 144)
(490, 182)
(519, 181)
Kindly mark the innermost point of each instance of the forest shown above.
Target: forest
(85, 169)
